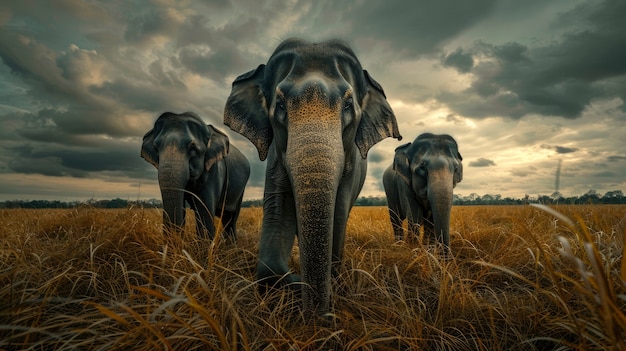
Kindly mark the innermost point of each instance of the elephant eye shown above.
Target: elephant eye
(280, 110)
(347, 117)
(280, 104)
(347, 105)
(422, 168)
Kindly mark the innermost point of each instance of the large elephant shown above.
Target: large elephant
(419, 186)
(314, 113)
(197, 165)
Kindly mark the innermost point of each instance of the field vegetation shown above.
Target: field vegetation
(520, 278)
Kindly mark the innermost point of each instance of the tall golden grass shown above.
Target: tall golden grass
(520, 278)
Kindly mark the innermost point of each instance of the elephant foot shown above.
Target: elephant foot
(275, 290)
(290, 281)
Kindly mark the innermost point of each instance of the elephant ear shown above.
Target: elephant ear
(402, 163)
(217, 147)
(148, 152)
(458, 172)
(246, 110)
(378, 120)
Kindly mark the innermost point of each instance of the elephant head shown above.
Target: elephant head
(316, 113)
(432, 167)
(182, 148)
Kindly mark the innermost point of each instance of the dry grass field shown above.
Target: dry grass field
(521, 278)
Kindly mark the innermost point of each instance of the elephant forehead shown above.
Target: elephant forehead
(172, 120)
(305, 58)
(183, 131)
(306, 81)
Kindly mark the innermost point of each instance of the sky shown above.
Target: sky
(522, 86)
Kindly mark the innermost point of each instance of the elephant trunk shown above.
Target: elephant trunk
(315, 161)
(173, 177)
(440, 187)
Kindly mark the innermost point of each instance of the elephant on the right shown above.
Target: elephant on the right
(419, 186)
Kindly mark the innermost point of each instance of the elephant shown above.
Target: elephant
(419, 186)
(196, 165)
(314, 113)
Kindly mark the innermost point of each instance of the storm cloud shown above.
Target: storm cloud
(482, 162)
(520, 83)
(559, 149)
(556, 78)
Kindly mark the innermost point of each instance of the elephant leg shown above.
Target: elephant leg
(347, 193)
(204, 218)
(415, 222)
(396, 224)
(278, 233)
(204, 224)
(229, 222)
(339, 236)
(429, 229)
(237, 179)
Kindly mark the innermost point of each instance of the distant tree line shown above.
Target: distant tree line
(113, 203)
(590, 197)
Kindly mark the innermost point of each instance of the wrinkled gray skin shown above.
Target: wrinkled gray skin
(196, 165)
(314, 113)
(419, 186)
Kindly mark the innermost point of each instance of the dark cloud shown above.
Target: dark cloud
(482, 162)
(376, 173)
(78, 123)
(59, 23)
(33, 62)
(523, 172)
(414, 27)
(559, 149)
(221, 52)
(257, 173)
(454, 119)
(83, 81)
(605, 174)
(60, 82)
(376, 156)
(201, 44)
(151, 24)
(215, 62)
(556, 79)
(462, 61)
(80, 163)
(139, 57)
(565, 150)
(140, 95)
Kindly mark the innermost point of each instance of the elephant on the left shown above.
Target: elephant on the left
(196, 165)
